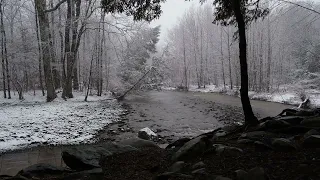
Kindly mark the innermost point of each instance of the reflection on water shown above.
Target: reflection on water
(12, 163)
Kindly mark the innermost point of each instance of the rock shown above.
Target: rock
(201, 172)
(262, 145)
(222, 178)
(191, 149)
(93, 174)
(293, 120)
(220, 133)
(138, 143)
(244, 141)
(178, 143)
(171, 175)
(147, 134)
(87, 157)
(41, 169)
(311, 132)
(240, 175)
(311, 122)
(312, 141)
(276, 124)
(256, 173)
(258, 135)
(198, 165)
(177, 166)
(283, 144)
(221, 149)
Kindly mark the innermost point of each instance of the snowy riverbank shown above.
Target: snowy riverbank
(286, 95)
(34, 122)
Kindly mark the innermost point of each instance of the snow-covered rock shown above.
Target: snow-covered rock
(147, 134)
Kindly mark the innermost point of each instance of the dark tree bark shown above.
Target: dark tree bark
(40, 55)
(47, 48)
(5, 53)
(250, 118)
(2, 55)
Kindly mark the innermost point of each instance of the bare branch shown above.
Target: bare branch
(56, 7)
(296, 4)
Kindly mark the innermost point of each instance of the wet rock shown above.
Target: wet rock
(147, 134)
(172, 175)
(293, 120)
(191, 149)
(221, 149)
(198, 165)
(276, 124)
(282, 144)
(256, 173)
(262, 145)
(258, 135)
(240, 175)
(199, 172)
(222, 178)
(244, 141)
(312, 141)
(178, 143)
(87, 157)
(17, 177)
(93, 174)
(311, 122)
(177, 166)
(138, 143)
(311, 132)
(220, 133)
(41, 169)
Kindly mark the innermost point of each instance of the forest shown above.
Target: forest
(86, 48)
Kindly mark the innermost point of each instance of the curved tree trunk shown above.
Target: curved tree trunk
(250, 118)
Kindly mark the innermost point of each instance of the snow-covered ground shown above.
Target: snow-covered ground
(33, 121)
(287, 94)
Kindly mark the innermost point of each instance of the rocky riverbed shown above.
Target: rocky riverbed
(171, 115)
(283, 147)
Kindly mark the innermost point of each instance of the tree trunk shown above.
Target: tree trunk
(250, 118)
(40, 54)
(269, 57)
(222, 64)
(229, 58)
(2, 55)
(47, 48)
(5, 54)
(67, 82)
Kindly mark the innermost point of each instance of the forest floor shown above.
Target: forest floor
(33, 122)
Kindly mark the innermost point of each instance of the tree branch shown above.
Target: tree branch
(296, 4)
(56, 7)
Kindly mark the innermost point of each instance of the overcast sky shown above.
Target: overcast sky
(172, 11)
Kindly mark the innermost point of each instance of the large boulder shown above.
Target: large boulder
(87, 157)
(221, 149)
(283, 144)
(311, 122)
(258, 135)
(42, 169)
(192, 148)
(276, 124)
(93, 174)
(178, 143)
(312, 141)
(139, 143)
(293, 120)
(147, 134)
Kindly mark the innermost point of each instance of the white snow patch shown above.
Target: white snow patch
(286, 94)
(149, 131)
(34, 122)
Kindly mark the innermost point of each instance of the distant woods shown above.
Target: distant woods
(281, 49)
(59, 46)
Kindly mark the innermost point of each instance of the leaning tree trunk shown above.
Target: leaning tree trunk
(47, 54)
(250, 118)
